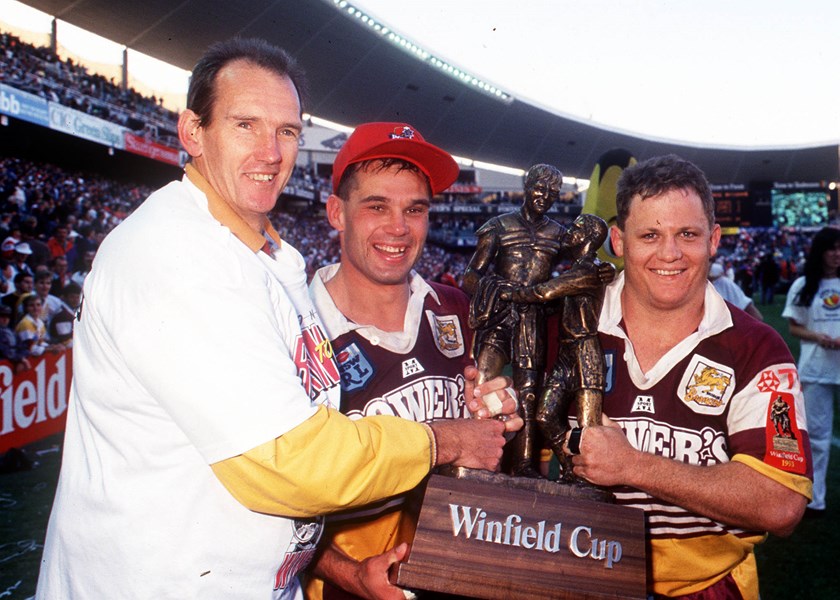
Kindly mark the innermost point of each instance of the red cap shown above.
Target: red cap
(396, 140)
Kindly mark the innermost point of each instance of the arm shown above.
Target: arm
(368, 578)
(753, 311)
(803, 333)
(580, 279)
(732, 492)
(329, 462)
(485, 250)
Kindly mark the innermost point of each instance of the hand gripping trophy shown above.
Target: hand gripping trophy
(518, 250)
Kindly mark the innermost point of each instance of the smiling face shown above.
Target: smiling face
(383, 224)
(248, 150)
(667, 244)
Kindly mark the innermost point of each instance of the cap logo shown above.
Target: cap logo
(406, 133)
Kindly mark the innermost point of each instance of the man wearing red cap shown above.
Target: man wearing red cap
(402, 343)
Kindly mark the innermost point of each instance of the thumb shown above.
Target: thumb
(398, 553)
(607, 422)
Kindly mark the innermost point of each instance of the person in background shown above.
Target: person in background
(731, 291)
(689, 436)
(9, 348)
(60, 327)
(812, 308)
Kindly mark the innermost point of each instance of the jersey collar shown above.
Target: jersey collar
(225, 215)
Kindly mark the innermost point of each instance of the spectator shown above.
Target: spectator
(9, 347)
(813, 312)
(50, 305)
(730, 291)
(61, 275)
(60, 327)
(23, 252)
(24, 283)
(85, 266)
(31, 330)
(768, 277)
(60, 243)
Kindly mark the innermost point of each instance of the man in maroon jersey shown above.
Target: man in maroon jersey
(401, 343)
(691, 384)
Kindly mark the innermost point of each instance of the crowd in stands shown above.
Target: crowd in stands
(39, 71)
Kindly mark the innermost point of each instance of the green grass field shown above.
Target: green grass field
(797, 568)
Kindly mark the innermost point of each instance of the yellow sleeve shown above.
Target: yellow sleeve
(328, 463)
(797, 483)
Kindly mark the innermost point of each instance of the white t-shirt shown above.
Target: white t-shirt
(817, 364)
(191, 349)
(731, 292)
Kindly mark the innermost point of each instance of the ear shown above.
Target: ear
(335, 212)
(189, 132)
(715, 239)
(617, 241)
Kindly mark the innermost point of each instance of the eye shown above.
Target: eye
(244, 125)
(290, 133)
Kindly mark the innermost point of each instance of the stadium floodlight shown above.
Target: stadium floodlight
(406, 45)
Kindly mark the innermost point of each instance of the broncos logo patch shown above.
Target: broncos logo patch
(447, 334)
(706, 386)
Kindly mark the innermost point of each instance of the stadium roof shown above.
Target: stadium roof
(355, 76)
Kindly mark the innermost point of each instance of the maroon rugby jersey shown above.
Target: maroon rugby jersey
(716, 401)
(424, 384)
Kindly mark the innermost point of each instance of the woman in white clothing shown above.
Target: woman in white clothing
(813, 312)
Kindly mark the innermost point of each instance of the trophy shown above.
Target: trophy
(519, 535)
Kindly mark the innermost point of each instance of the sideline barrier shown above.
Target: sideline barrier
(33, 403)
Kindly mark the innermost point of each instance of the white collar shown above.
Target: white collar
(716, 318)
(337, 324)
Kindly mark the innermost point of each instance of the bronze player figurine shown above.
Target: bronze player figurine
(522, 248)
(579, 372)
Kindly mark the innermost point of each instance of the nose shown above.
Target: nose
(268, 149)
(669, 248)
(397, 224)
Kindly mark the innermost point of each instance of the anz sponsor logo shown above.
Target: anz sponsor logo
(705, 447)
(423, 399)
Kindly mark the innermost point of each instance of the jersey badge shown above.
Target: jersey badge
(446, 331)
(783, 438)
(411, 367)
(706, 386)
(354, 367)
(643, 404)
(609, 365)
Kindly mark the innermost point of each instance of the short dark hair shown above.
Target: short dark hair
(658, 175)
(201, 94)
(71, 288)
(377, 165)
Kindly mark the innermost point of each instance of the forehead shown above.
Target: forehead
(245, 83)
(671, 206)
(374, 179)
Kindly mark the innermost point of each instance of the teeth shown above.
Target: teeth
(391, 249)
(664, 272)
(261, 176)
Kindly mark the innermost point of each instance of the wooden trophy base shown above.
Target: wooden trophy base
(493, 536)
